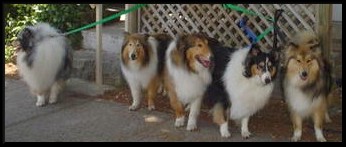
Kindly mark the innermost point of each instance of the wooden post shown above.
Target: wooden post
(324, 16)
(131, 21)
(98, 74)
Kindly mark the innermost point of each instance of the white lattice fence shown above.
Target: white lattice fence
(221, 23)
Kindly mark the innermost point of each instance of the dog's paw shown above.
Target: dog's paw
(40, 103)
(225, 133)
(191, 127)
(295, 138)
(321, 139)
(245, 134)
(224, 130)
(133, 107)
(179, 122)
(151, 107)
(52, 100)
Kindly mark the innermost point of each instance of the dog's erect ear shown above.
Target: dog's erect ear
(292, 44)
(25, 38)
(276, 55)
(146, 36)
(254, 51)
(203, 34)
(26, 33)
(315, 47)
(182, 42)
(126, 35)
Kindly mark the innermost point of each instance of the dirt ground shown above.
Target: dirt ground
(273, 118)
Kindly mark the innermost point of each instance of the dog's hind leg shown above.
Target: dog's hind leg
(152, 92)
(55, 90)
(219, 118)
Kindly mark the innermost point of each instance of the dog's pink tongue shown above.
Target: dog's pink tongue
(204, 62)
(303, 78)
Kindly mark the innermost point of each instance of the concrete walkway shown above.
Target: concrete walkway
(77, 118)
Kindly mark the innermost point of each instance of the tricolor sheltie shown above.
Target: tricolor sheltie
(187, 75)
(142, 62)
(242, 81)
(306, 83)
(44, 60)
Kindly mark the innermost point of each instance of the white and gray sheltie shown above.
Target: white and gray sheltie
(44, 60)
(242, 84)
(186, 76)
(306, 83)
(142, 62)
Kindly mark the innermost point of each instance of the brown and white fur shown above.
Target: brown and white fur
(306, 83)
(142, 65)
(187, 75)
(44, 60)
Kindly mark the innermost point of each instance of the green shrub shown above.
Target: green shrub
(64, 17)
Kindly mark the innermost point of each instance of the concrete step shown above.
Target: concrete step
(112, 37)
(84, 60)
(84, 67)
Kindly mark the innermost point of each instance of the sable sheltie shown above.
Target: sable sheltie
(306, 83)
(187, 75)
(243, 78)
(142, 62)
(44, 60)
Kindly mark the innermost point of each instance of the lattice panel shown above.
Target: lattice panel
(221, 23)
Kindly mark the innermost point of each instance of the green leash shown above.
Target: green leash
(248, 12)
(240, 9)
(106, 19)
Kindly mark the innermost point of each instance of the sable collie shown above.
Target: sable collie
(243, 78)
(187, 75)
(142, 62)
(306, 83)
(44, 60)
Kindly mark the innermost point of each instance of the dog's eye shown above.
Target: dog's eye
(199, 45)
(137, 45)
(298, 60)
(260, 66)
(130, 44)
(270, 67)
(308, 61)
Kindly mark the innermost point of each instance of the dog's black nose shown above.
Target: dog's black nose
(267, 80)
(211, 58)
(304, 74)
(133, 56)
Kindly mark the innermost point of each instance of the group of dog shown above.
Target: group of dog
(192, 69)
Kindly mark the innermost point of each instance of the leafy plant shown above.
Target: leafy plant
(64, 17)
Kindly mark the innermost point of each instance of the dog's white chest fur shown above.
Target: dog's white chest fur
(299, 101)
(188, 85)
(247, 95)
(141, 76)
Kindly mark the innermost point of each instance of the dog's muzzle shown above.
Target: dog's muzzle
(303, 75)
(133, 56)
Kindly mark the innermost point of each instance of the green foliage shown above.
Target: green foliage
(9, 53)
(64, 17)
